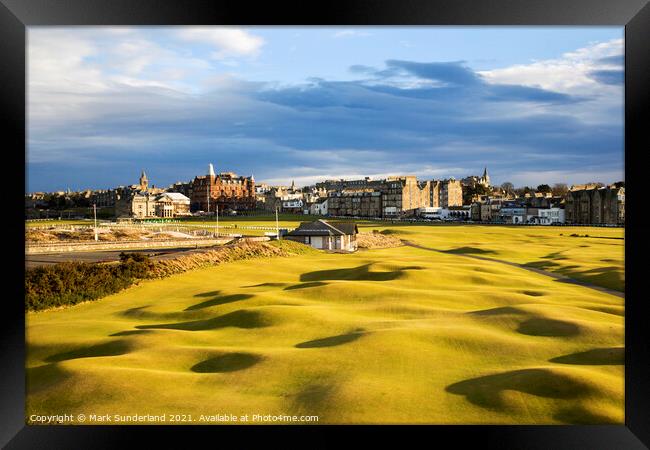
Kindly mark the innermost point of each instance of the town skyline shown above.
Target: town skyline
(289, 182)
(535, 104)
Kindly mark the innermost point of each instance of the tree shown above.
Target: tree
(524, 190)
(619, 184)
(544, 188)
(469, 192)
(508, 187)
(560, 189)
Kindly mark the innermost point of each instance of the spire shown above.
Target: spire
(252, 177)
(485, 179)
(210, 170)
(293, 185)
(144, 182)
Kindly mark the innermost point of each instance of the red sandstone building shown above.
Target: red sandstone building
(225, 191)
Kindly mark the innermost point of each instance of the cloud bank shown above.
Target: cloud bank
(102, 105)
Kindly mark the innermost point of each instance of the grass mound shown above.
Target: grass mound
(377, 240)
(229, 362)
(396, 335)
(293, 247)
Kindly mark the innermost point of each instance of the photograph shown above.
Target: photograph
(291, 225)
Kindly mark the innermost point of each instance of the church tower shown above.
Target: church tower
(144, 182)
(485, 179)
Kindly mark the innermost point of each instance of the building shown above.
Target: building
(319, 207)
(488, 211)
(511, 214)
(474, 180)
(137, 205)
(589, 204)
(451, 213)
(225, 191)
(399, 196)
(172, 204)
(323, 235)
(355, 203)
(181, 187)
(446, 193)
(292, 206)
(545, 216)
(274, 198)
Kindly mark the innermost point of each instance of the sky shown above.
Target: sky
(532, 104)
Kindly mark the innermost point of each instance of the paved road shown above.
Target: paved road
(103, 256)
(556, 276)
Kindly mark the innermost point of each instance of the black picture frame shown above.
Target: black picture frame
(16, 15)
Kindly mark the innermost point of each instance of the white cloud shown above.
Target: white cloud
(226, 41)
(567, 74)
(535, 178)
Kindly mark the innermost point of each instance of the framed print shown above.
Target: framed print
(282, 222)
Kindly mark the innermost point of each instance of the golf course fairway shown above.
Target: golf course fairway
(423, 333)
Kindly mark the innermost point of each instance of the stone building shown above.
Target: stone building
(225, 191)
(474, 180)
(324, 235)
(391, 197)
(446, 193)
(589, 204)
(172, 204)
(358, 203)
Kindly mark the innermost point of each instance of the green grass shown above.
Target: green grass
(399, 335)
(597, 259)
(62, 222)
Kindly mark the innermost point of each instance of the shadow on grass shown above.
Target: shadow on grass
(219, 301)
(43, 377)
(130, 332)
(497, 311)
(539, 326)
(360, 273)
(239, 319)
(610, 277)
(315, 397)
(207, 294)
(114, 348)
(332, 341)
(543, 265)
(266, 285)
(470, 251)
(229, 362)
(579, 415)
(533, 293)
(487, 391)
(305, 285)
(595, 357)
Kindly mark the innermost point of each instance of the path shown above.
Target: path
(562, 278)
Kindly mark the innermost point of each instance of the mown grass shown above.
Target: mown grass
(597, 259)
(398, 335)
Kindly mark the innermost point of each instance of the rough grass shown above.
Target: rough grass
(107, 235)
(397, 335)
(377, 240)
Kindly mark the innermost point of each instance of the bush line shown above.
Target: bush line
(70, 283)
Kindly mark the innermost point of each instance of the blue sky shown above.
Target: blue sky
(533, 104)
